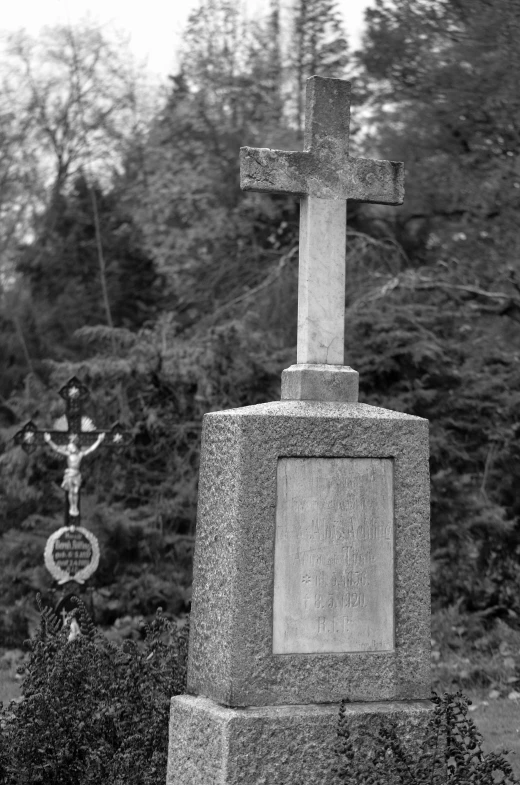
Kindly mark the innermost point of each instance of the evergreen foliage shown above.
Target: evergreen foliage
(410, 357)
(439, 76)
(201, 282)
(63, 273)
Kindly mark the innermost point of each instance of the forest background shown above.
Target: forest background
(130, 257)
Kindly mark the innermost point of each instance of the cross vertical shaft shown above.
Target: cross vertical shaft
(323, 223)
(321, 281)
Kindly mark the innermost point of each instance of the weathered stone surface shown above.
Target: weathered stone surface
(320, 382)
(321, 174)
(327, 114)
(334, 556)
(284, 745)
(325, 168)
(321, 281)
(231, 656)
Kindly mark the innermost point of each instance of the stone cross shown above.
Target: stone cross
(325, 176)
(73, 425)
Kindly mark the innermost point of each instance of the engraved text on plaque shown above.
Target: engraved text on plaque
(334, 556)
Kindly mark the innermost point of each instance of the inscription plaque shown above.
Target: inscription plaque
(334, 556)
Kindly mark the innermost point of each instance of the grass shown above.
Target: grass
(498, 719)
(472, 654)
(482, 659)
(9, 683)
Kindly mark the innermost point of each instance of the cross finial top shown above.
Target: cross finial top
(327, 116)
(74, 390)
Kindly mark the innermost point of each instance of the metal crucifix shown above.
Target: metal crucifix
(74, 437)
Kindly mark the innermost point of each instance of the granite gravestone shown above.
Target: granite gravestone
(311, 574)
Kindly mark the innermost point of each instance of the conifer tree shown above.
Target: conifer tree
(195, 216)
(62, 274)
(318, 46)
(443, 80)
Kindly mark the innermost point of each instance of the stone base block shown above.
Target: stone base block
(318, 382)
(273, 745)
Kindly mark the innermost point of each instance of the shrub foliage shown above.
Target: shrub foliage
(93, 711)
(450, 752)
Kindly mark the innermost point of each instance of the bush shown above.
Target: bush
(450, 753)
(93, 711)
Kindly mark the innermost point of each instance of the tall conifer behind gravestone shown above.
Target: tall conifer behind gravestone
(63, 276)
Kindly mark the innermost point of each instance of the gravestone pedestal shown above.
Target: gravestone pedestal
(275, 745)
(311, 584)
(320, 382)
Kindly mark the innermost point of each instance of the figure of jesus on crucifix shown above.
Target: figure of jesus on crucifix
(72, 477)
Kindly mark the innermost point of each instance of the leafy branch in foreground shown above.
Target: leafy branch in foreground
(450, 752)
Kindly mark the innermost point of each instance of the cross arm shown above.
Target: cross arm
(29, 437)
(369, 180)
(274, 171)
(62, 438)
(307, 173)
(324, 174)
(115, 437)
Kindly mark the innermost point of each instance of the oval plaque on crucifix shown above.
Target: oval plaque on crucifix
(72, 554)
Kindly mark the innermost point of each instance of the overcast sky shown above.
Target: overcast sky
(155, 26)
